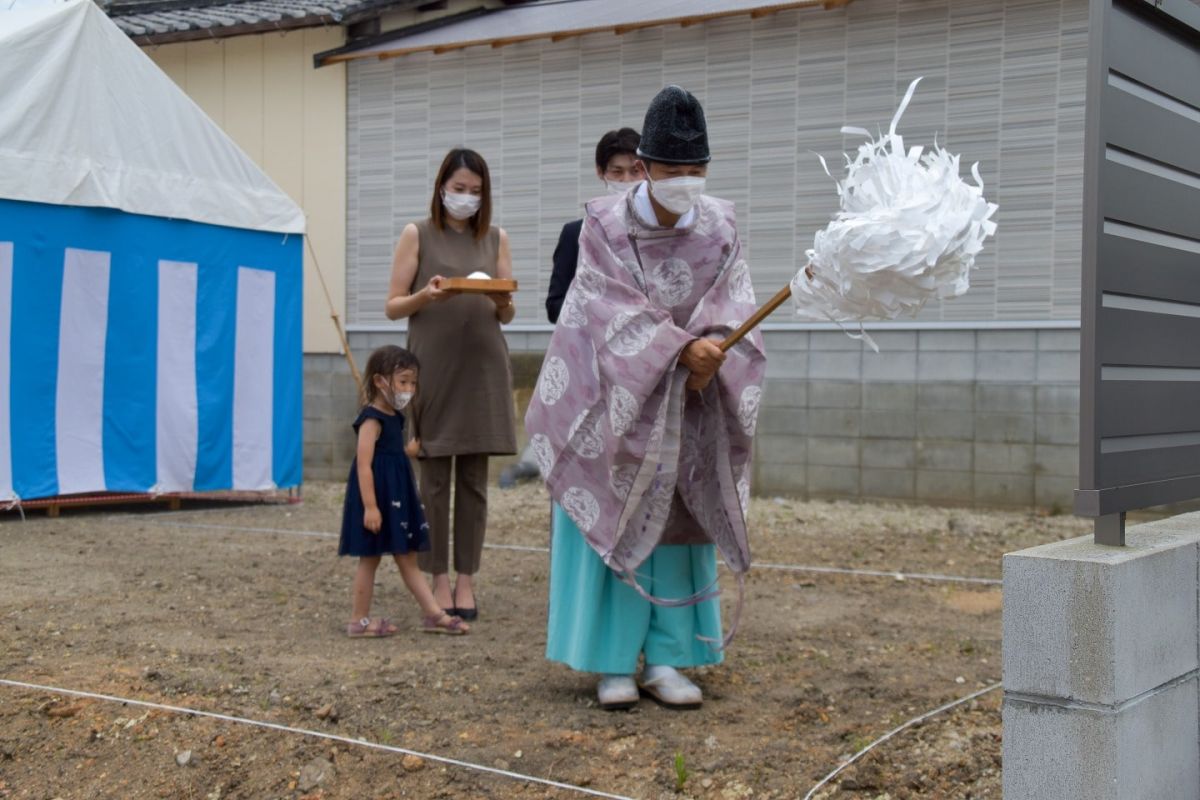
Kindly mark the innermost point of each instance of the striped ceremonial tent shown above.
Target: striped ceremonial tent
(150, 278)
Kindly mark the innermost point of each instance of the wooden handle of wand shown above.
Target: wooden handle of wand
(775, 302)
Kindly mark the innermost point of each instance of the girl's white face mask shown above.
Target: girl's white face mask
(460, 206)
(677, 195)
(401, 399)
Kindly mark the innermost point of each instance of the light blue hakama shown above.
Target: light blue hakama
(599, 624)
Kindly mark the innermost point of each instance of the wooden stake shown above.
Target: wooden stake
(337, 322)
(775, 302)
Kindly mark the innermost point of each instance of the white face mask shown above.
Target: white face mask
(620, 187)
(460, 206)
(677, 195)
(400, 400)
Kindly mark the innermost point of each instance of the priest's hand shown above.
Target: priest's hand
(703, 358)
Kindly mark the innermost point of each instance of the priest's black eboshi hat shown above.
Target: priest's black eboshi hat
(674, 131)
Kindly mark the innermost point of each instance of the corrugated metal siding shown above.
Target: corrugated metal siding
(1003, 85)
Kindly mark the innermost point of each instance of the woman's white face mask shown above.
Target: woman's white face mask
(460, 206)
(677, 195)
(620, 187)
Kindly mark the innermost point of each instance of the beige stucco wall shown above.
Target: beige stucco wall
(291, 119)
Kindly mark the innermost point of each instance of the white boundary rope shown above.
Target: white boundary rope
(243, 528)
(914, 721)
(316, 734)
(901, 576)
(229, 509)
(916, 576)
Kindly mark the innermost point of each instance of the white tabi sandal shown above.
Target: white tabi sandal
(670, 688)
(617, 692)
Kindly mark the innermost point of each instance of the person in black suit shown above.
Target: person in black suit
(617, 166)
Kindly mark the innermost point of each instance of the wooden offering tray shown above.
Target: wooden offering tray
(479, 285)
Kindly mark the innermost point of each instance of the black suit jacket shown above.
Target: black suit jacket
(566, 259)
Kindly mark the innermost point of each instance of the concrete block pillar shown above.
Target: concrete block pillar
(1101, 667)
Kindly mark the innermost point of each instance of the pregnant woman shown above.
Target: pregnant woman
(463, 411)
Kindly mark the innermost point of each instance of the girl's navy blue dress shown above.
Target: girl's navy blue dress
(404, 528)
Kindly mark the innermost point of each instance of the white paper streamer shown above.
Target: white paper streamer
(908, 230)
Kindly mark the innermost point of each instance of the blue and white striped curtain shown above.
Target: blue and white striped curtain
(145, 354)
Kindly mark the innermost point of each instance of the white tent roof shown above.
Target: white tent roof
(87, 119)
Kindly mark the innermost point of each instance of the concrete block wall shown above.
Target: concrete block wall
(1101, 667)
(330, 406)
(973, 417)
(331, 399)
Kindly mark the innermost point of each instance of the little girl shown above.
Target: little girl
(382, 514)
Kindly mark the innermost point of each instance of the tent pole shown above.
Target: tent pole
(337, 322)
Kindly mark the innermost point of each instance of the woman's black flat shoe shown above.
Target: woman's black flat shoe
(467, 614)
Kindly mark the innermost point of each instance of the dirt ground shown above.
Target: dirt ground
(240, 611)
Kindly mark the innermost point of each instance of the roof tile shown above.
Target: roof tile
(151, 18)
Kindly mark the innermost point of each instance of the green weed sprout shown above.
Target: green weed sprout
(681, 773)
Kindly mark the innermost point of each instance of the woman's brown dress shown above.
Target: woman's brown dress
(464, 399)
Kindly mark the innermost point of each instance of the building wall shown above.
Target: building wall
(1003, 84)
(289, 118)
(973, 402)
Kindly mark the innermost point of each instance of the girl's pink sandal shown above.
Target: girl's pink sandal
(363, 630)
(444, 624)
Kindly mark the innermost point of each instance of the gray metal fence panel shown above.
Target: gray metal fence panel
(1165, 269)
(1140, 345)
(1132, 408)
